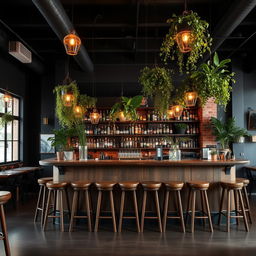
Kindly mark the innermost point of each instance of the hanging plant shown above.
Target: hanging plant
(213, 80)
(157, 83)
(6, 118)
(200, 40)
(66, 115)
(126, 110)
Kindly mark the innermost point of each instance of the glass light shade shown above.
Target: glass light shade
(7, 98)
(184, 40)
(177, 110)
(95, 116)
(190, 99)
(170, 113)
(68, 99)
(72, 44)
(78, 111)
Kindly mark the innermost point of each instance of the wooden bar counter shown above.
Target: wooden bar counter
(145, 170)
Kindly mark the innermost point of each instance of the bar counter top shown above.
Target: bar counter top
(166, 163)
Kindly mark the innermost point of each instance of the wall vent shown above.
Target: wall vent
(20, 52)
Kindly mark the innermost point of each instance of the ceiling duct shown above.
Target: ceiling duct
(56, 17)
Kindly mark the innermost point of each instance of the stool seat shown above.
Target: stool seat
(44, 180)
(245, 181)
(80, 184)
(232, 185)
(129, 185)
(151, 185)
(52, 184)
(105, 184)
(174, 185)
(5, 196)
(198, 184)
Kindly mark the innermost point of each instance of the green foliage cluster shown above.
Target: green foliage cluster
(201, 41)
(227, 133)
(157, 83)
(213, 80)
(6, 118)
(128, 106)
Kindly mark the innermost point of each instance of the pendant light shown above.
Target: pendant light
(170, 113)
(72, 43)
(95, 116)
(190, 99)
(177, 111)
(185, 37)
(78, 111)
(7, 98)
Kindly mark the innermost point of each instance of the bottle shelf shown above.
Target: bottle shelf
(109, 149)
(142, 135)
(145, 122)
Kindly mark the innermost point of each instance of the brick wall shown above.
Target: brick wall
(205, 113)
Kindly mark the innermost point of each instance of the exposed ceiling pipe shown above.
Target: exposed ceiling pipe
(56, 17)
(233, 17)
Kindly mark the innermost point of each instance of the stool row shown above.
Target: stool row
(57, 190)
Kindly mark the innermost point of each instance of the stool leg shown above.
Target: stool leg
(67, 199)
(98, 211)
(60, 194)
(143, 210)
(112, 209)
(228, 211)
(236, 206)
(43, 205)
(221, 205)
(158, 211)
(47, 209)
(136, 210)
(193, 210)
(188, 205)
(121, 211)
(247, 204)
(74, 204)
(208, 209)
(202, 205)
(180, 211)
(54, 204)
(88, 209)
(243, 210)
(4, 230)
(166, 203)
(38, 203)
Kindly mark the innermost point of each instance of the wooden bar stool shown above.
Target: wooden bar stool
(105, 186)
(151, 186)
(128, 186)
(5, 196)
(201, 186)
(58, 188)
(78, 187)
(236, 187)
(40, 206)
(176, 187)
(245, 197)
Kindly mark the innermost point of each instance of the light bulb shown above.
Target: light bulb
(185, 37)
(72, 41)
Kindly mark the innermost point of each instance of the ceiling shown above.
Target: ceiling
(117, 28)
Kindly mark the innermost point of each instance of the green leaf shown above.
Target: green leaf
(216, 60)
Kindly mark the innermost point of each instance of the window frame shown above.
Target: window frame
(18, 118)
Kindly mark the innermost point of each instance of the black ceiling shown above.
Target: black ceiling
(109, 27)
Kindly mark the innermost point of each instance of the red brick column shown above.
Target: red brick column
(205, 113)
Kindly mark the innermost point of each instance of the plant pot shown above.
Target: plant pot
(174, 154)
(83, 153)
(60, 155)
(179, 130)
(214, 157)
(223, 153)
(68, 155)
(241, 139)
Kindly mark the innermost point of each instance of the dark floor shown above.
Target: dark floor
(27, 239)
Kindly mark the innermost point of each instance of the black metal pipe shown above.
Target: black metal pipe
(56, 17)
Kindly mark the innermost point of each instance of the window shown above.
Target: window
(10, 131)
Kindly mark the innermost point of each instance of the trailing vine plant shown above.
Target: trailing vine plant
(157, 83)
(6, 118)
(201, 42)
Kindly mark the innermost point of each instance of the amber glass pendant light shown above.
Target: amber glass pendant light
(7, 98)
(72, 43)
(177, 111)
(190, 99)
(95, 116)
(78, 111)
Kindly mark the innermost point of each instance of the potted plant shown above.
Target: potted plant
(157, 83)
(126, 110)
(214, 155)
(200, 44)
(180, 128)
(83, 150)
(212, 80)
(6, 118)
(226, 133)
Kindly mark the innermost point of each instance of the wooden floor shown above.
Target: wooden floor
(27, 239)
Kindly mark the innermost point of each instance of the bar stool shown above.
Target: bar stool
(40, 206)
(79, 187)
(236, 187)
(103, 187)
(245, 197)
(5, 196)
(201, 186)
(176, 187)
(151, 186)
(128, 186)
(58, 188)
